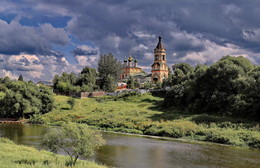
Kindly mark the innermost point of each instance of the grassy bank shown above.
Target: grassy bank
(142, 114)
(12, 155)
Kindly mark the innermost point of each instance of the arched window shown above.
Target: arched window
(156, 57)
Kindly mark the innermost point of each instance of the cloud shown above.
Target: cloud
(192, 31)
(16, 38)
(86, 55)
(34, 67)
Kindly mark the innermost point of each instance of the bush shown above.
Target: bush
(36, 119)
(71, 102)
(6, 140)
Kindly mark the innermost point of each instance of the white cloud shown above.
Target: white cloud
(142, 34)
(251, 35)
(86, 55)
(34, 67)
(213, 52)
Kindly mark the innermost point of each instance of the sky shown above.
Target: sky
(39, 39)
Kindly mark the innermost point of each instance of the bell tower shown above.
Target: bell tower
(159, 67)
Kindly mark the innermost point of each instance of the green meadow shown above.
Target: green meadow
(19, 156)
(142, 114)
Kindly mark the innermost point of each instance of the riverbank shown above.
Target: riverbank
(141, 114)
(12, 155)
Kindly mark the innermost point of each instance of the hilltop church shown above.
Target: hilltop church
(159, 70)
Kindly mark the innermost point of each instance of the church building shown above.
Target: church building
(159, 67)
(159, 70)
(130, 67)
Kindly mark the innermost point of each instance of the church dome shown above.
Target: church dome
(130, 58)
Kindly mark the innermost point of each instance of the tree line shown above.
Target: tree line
(19, 98)
(229, 87)
(90, 79)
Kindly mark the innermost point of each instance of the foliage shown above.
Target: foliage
(22, 99)
(6, 141)
(71, 102)
(142, 114)
(109, 84)
(85, 81)
(76, 140)
(108, 67)
(148, 85)
(13, 155)
(230, 87)
(36, 119)
(87, 77)
(130, 83)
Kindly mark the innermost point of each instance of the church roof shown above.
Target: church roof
(159, 45)
(156, 63)
(130, 58)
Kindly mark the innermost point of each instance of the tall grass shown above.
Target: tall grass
(141, 114)
(12, 156)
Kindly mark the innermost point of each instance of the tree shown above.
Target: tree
(109, 84)
(64, 87)
(47, 99)
(71, 102)
(20, 78)
(87, 77)
(75, 139)
(229, 87)
(22, 99)
(108, 65)
(130, 83)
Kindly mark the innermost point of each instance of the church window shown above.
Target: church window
(156, 57)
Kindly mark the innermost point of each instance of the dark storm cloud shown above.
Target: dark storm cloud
(193, 31)
(106, 24)
(16, 38)
(80, 52)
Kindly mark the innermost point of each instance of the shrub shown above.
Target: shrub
(36, 119)
(71, 102)
(6, 140)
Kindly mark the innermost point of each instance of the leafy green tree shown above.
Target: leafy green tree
(109, 84)
(86, 88)
(88, 77)
(23, 99)
(184, 67)
(64, 87)
(47, 99)
(2, 95)
(229, 87)
(71, 102)
(130, 83)
(108, 65)
(75, 139)
(148, 85)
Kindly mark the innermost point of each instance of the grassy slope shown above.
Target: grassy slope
(142, 115)
(12, 155)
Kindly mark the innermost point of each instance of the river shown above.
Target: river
(141, 152)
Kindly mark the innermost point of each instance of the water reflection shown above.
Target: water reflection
(140, 152)
(23, 134)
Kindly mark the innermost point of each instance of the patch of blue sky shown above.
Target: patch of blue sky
(37, 19)
(7, 17)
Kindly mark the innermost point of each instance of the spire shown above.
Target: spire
(159, 45)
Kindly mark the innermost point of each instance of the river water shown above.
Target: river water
(141, 152)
